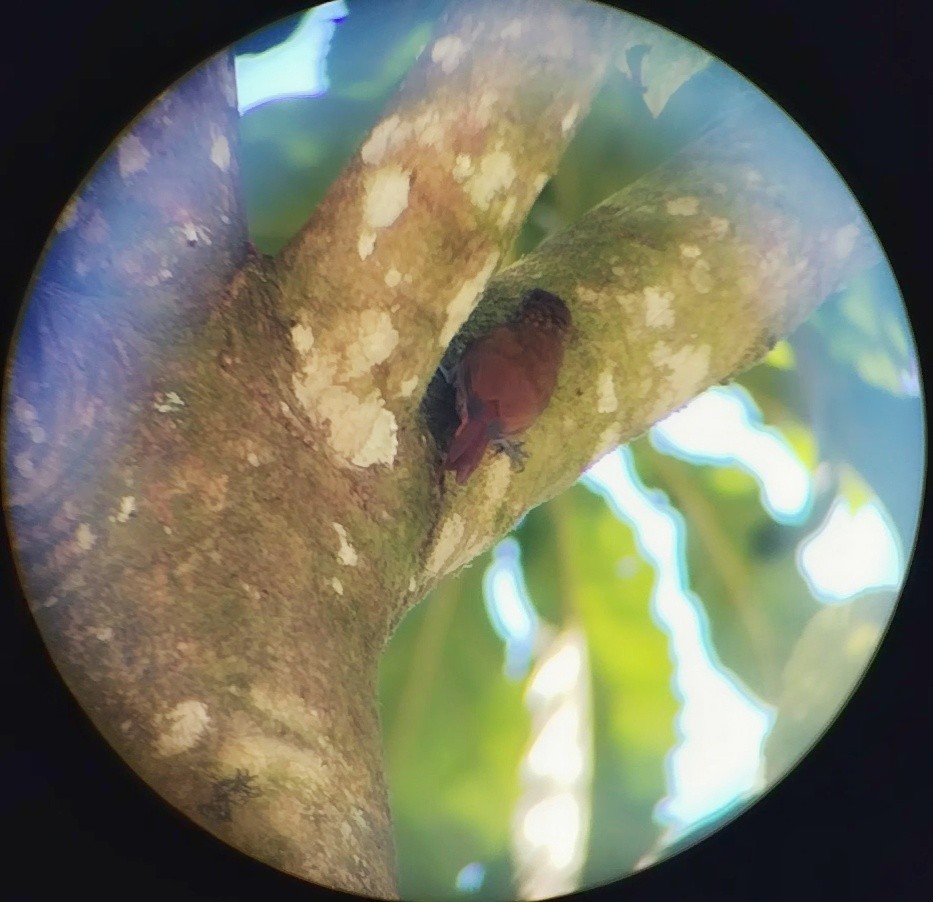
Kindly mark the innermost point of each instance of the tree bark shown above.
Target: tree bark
(223, 470)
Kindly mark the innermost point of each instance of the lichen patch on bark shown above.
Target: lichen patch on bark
(347, 553)
(448, 51)
(181, 728)
(460, 306)
(495, 174)
(386, 196)
(606, 393)
(659, 311)
(683, 206)
(132, 156)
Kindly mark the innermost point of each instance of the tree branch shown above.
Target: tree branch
(680, 281)
(394, 258)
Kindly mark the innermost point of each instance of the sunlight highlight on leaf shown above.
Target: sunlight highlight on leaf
(850, 552)
(550, 825)
(720, 727)
(723, 425)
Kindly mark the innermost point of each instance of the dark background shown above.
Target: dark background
(853, 821)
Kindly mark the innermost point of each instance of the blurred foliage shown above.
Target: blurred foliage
(840, 390)
(605, 586)
(455, 730)
(757, 604)
(815, 685)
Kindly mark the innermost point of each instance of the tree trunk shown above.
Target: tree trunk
(223, 470)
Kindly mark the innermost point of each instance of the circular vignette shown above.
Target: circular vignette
(184, 717)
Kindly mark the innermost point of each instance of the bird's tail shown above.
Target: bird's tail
(467, 447)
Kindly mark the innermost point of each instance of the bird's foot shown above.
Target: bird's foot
(515, 451)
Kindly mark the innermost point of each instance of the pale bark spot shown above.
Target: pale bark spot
(366, 244)
(539, 181)
(570, 117)
(689, 251)
(608, 440)
(683, 206)
(102, 633)
(474, 546)
(23, 465)
(170, 402)
(132, 156)
(412, 585)
(483, 110)
(458, 309)
(187, 722)
(195, 234)
(252, 459)
(446, 544)
(85, 537)
(96, 229)
(701, 278)
(258, 754)
(337, 585)
(588, 295)
(429, 129)
(607, 401)
(220, 149)
(393, 277)
(496, 174)
(448, 52)
(688, 367)
(361, 430)
(498, 477)
(386, 136)
(508, 208)
(659, 312)
(376, 340)
(302, 338)
(408, 386)
(24, 411)
(463, 167)
(127, 508)
(844, 240)
(386, 196)
(718, 226)
(37, 435)
(346, 554)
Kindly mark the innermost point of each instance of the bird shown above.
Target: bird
(504, 381)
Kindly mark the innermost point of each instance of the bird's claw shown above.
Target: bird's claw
(515, 451)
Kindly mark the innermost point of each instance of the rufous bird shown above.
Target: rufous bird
(505, 379)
